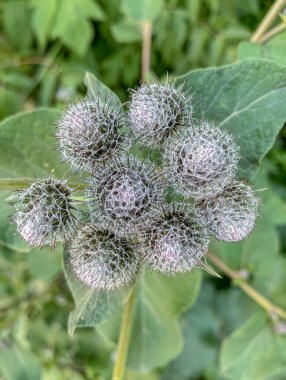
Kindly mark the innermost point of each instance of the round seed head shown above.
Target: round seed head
(156, 110)
(89, 133)
(230, 216)
(124, 194)
(174, 244)
(201, 161)
(101, 260)
(44, 213)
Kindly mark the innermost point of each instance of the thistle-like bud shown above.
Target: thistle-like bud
(89, 133)
(230, 216)
(124, 194)
(156, 110)
(201, 161)
(174, 244)
(44, 213)
(101, 260)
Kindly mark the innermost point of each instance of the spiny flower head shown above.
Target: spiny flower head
(124, 194)
(101, 260)
(230, 216)
(175, 243)
(201, 161)
(44, 213)
(156, 110)
(89, 133)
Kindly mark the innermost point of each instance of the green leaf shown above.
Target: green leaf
(45, 264)
(156, 336)
(273, 50)
(43, 19)
(31, 142)
(126, 32)
(72, 23)
(96, 89)
(19, 364)
(16, 22)
(9, 103)
(143, 10)
(253, 351)
(200, 330)
(246, 99)
(214, 314)
(91, 306)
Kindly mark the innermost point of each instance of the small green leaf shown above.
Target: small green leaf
(44, 16)
(72, 23)
(91, 306)
(126, 32)
(273, 50)
(247, 99)
(143, 10)
(16, 22)
(96, 89)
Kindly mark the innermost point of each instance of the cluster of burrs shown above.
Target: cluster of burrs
(131, 220)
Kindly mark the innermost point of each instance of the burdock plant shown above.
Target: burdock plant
(129, 220)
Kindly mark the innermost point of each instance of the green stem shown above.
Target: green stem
(268, 20)
(23, 183)
(263, 302)
(273, 32)
(124, 338)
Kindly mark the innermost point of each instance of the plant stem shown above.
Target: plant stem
(272, 32)
(124, 338)
(268, 20)
(263, 302)
(146, 49)
(23, 183)
(126, 323)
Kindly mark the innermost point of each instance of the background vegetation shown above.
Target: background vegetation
(46, 46)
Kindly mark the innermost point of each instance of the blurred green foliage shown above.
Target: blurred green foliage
(46, 47)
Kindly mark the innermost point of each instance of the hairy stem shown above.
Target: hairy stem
(23, 183)
(268, 20)
(124, 338)
(263, 302)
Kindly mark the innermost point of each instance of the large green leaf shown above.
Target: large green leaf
(19, 364)
(246, 99)
(156, 336)
(254, 351)
(215, 314)
(27, 145)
